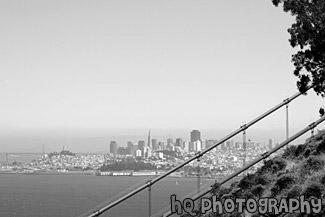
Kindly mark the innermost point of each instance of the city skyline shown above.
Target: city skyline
(72, 72)
(104, 144)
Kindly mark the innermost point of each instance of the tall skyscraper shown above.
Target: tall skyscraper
(195, 135)
(113, 148)
(149, 141)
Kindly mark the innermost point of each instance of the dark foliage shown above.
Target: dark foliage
(247, 181)
(289, 152)
(274, 165)
(313, 189)
(300, 150)
(307, 152)
(322, 180)
(282, 183)
(258, 190)
(312, 164)
(308, 33)
(294, 191)
(321, 148)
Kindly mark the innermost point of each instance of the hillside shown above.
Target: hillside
(299, 171)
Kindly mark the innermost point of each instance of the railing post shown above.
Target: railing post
(198, 173)
(245, 149)
(287, 118)
(149, 198)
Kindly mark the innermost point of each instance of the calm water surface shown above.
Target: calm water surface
(77, 195)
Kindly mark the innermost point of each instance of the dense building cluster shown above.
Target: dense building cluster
(222, 160)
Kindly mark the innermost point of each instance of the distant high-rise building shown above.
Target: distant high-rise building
(198, 146)
(133, 147)
(191, 146)
(230, 144)
(154, 144)
(141, 146)
(203, 144)
(161, 145)
(169, 141)
(170, 147)
(148, 152)
(113, 148)
(149, 141)
(186, 146)
(179, 142)
(195, 135)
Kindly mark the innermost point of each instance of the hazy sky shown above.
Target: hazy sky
(97, 66)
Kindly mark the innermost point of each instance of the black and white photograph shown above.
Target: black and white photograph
(156, 108)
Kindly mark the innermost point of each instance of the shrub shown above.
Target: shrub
(322, 179)
(312, 164)
(299, 150)
(262, 180)
(234, 184)
(274, 165)
(294, 191)
(289, 152)
(307, 152)
(247, 194)
(247, 181)
(222, 191)
(285, 181)
(258, 190)
(313, 189)
(320, 147)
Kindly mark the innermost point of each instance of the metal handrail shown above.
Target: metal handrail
(242, 128)
(263, 156)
